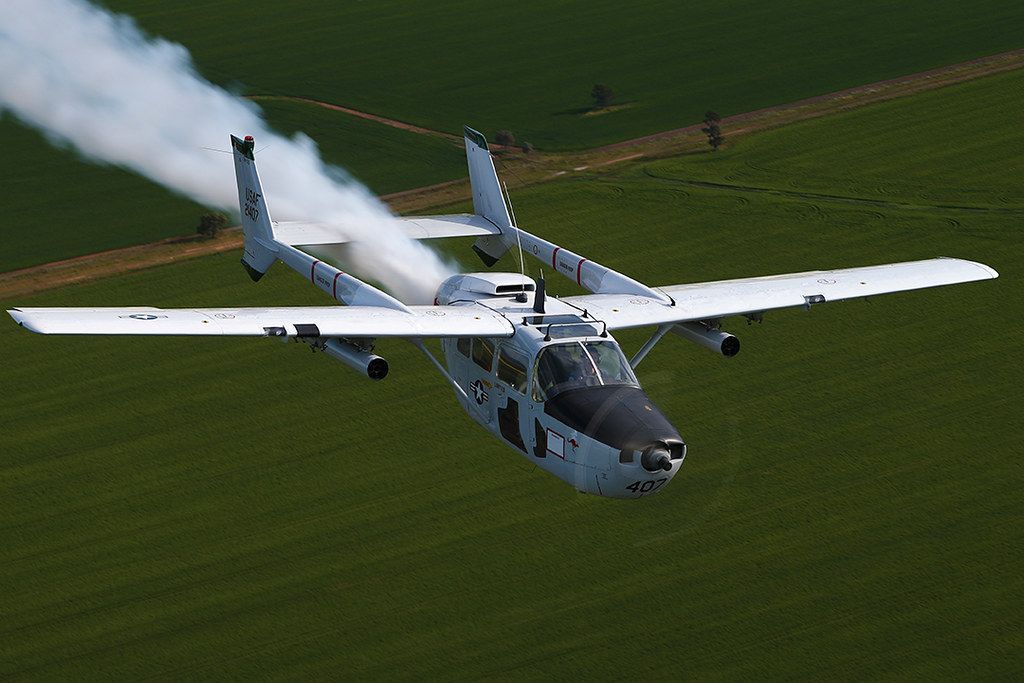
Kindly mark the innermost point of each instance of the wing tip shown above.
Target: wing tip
(23, 320)
(990, 272)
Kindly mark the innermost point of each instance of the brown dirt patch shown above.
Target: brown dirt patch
(521, 169)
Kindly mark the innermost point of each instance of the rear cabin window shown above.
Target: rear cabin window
(463, 345)
(483, 353)
(512, 368)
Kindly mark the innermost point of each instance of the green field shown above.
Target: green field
(925, 151)
(850, 506)
(59, 207)
(530, 65)
(527, 66)
(383, 158)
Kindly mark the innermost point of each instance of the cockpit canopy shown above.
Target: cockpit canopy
(578, 364)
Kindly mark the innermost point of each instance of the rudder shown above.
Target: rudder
(260, 247)
(488, 199)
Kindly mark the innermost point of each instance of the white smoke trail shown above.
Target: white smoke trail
(92, 80)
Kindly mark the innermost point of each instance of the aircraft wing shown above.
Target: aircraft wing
(312, 321)
(416, 227)
(713, 300)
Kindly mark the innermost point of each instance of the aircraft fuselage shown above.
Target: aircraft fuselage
(560, 392)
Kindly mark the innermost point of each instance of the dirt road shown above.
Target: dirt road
(521, 169)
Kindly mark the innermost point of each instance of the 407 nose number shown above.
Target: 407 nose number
(646, 486)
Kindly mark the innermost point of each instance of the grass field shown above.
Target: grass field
(59, 207)
(525, 66)
(850, 506)
(925, 151)
(529, 66)
(384, 159)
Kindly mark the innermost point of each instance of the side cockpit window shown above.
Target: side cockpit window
(512, 368)
(483, 353)
(463, 344)
(612, 366)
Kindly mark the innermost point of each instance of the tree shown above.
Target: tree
(527, 147)
(210, 224)
(603, 95)
(713, 130)
(505, 138)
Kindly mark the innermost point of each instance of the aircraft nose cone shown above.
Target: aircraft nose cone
(622, 417)
(656, 458)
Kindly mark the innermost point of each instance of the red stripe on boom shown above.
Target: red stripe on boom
(579, 270)
(334, 285)
(553, 255)
(312, 271)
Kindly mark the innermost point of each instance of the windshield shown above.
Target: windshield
(579, 364)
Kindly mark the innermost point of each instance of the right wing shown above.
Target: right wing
(303, 321)
(755, 295)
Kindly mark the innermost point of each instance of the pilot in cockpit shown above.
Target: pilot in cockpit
(577, 365)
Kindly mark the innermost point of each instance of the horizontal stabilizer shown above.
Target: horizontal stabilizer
(416, 227)
(455, 225)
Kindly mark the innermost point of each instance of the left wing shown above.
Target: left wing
(714, 300)
(301, 321)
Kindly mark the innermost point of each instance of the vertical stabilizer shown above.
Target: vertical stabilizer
(488, 200)
(260, 247)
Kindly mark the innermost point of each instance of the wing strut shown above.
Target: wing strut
(646, 348)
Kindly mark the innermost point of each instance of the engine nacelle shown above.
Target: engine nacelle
(716, 340)
(473, 286)
(373, 366)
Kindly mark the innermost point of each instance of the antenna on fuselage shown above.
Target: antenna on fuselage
(538, 296)
(515, 226)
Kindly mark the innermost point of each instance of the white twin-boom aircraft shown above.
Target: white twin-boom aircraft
(543, 374)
